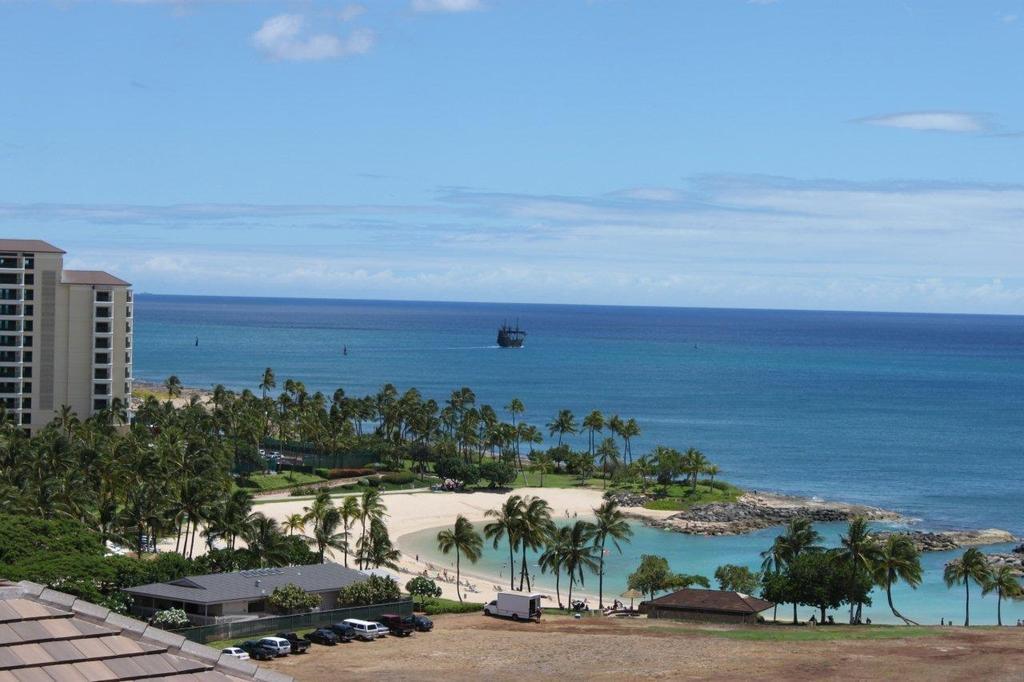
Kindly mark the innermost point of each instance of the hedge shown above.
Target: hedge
(346, 473)
(399, 477)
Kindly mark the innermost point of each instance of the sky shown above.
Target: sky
(731, 153)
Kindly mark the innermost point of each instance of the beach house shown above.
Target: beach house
(717, 606)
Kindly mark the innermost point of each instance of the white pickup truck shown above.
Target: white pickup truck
(515, 605)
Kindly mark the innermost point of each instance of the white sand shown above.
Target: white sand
(413, 512)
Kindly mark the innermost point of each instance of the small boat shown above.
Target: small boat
(509, 337)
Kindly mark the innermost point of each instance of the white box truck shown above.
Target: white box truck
(515, 605)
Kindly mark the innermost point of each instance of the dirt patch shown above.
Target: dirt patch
(472, 646)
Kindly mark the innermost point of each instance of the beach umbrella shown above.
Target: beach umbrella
(631, 595)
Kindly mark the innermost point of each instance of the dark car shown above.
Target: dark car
(323, 636)
(344, 631)
(399, 626)
(256, 651)
(300, 645)
(423, 624)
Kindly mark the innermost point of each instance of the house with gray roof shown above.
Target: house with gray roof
(240, 595)
(47, 635)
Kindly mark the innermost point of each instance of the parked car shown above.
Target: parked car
(236, 652)
(300, 645)
(256, 651)
(423, 624)
(279, 645)
(364, 629)
(344, 631)
(382, 630)
(324, 636)
(399, 626)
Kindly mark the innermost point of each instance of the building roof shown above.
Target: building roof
(217, 588)
(711, 600)
(28, 246)
(49, 635)
(93, 277)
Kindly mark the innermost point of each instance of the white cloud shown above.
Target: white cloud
(945, 121)
(1008, 18)
(446, 5)
(351, 11)
(283, 37)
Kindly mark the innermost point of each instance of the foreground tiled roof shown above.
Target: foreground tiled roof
(47, 635)
(94, 277)
(216, 588)
(711, 600)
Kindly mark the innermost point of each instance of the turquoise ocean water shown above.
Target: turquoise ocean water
(923, 414)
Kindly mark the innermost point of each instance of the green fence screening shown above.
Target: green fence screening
(300, 621)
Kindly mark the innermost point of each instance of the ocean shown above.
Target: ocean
(922, 414)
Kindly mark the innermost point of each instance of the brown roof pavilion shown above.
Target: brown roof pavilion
(709, 602)
(97, 277)
(28, 246)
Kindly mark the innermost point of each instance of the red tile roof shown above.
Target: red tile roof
(47, 635)
(711, 600)
(95, 277)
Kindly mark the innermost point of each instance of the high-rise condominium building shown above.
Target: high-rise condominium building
(65, 335)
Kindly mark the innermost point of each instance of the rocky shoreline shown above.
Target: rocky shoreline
(757, 510)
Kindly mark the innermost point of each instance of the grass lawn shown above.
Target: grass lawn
(384, 486)
(781, 633)
(681, 497)
(285, 479)
(551, 481)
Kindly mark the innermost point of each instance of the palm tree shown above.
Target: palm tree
(268, 382)
(608, 454)
(642, 469)
(543, 463)
(594, 423)
(371, 507)
(860, 551)
(516, 408)
(348, 512)
(1004, 582)
(464, 539)
(579, 553)
(173, 386)
(799, 537)
(264, 540)
(971, 566)
(712, 471)
(555, 549)
(897, 559)
(534, 528)
(694, 463)
(610, 523)
(295, 522)
(628, 431)
(506, 524)
(563, 423)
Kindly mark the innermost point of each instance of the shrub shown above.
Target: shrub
(291, 598)
(497, 474)
(349, 473)
(441, 606)
(457, 470)
(322, 472)
(374, 590)
(399, 477)
(170, 619)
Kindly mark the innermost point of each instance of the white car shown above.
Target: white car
(279, 645)
(382, 630)
(365, 630)
(235, 652)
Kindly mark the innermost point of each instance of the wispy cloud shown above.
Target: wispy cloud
(446, 5)
(351, 11)
(945, 121)
(284, 37)
(714, 240)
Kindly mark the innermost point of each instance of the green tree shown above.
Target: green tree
(563, 424)
(825, 581)
(555, 550)
(799, 537)
(424, 588)
(610, 523)
(653, 575)
(608, 456)
(971, 566)
(1004, 582)
(464, 539)
(693, 464)
(861, 551)
(594, 424)
(268, 382)
(291, 598)
(735, 578)
(534, 528)
(374, 590)
(173, 386)
(579, 553)
(898, 559)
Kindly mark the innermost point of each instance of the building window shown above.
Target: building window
(26, 372)
(30, 310)
(27, 356)
(102, 358)
(30, 279)
(99, 404)
(28, 325)
(103, 342)
(26, 418)
(28, 340)
(26, 387)
(26, 403)
(29, 295)
(30, 262)
(100, 389)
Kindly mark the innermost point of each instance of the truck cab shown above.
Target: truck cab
(515, 605)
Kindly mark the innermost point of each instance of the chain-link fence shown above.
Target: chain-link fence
(248, 628)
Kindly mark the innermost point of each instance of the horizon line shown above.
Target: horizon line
(585, 305)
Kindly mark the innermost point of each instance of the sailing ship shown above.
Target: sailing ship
(509, 337)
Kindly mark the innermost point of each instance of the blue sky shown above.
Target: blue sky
(795, 153)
